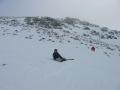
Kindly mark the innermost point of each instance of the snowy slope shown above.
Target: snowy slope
(26, 59)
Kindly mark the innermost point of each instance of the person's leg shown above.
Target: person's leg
(59, 60)
(63, 59)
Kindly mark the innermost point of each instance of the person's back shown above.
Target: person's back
(57, 56)
(93, 49)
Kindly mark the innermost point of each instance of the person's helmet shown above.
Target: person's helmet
(55, 50)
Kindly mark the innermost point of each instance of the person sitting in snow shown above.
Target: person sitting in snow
(57, 56)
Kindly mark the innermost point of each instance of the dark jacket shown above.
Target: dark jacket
(56, 55)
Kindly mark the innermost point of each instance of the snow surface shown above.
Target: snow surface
(27, 64)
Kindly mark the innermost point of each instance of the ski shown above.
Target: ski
(69, 59)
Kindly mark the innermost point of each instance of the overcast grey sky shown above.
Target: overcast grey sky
(101, 12)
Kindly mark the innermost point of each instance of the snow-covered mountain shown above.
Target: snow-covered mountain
(27, 44)
(66, 30)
